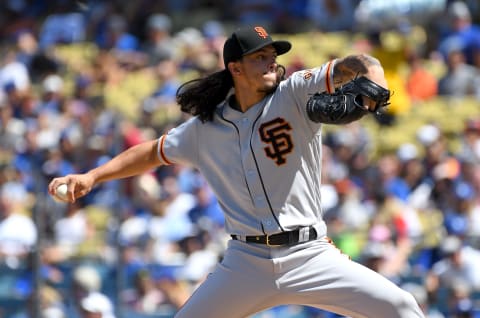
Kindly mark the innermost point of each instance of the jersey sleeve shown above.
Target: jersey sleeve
(305, 83)
(301, 85)
(179, 144)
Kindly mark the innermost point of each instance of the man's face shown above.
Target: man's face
(5, 207)
(259, 69)
(89, 314)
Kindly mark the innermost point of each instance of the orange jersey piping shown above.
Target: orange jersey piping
(161, 152)
(330, 87)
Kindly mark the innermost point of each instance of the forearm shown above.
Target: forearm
(351, 66)
(360, 86)
(133, 161)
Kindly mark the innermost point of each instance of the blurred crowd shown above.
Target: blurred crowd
(81, 81)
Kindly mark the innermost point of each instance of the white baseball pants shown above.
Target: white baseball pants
(253, 277)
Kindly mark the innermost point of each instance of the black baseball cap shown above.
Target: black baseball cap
(247, 40)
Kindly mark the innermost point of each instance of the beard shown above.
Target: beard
(280, 77)
(269, 90)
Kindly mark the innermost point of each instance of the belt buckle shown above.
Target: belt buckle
(267, 241)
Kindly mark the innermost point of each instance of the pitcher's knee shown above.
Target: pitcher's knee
(406, 306)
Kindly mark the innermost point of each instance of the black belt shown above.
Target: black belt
(278, 239)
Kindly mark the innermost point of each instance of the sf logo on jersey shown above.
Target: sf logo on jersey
(276, 134)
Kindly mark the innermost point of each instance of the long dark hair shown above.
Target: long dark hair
(200, 97)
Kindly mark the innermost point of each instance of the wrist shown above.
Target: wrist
(93, 176)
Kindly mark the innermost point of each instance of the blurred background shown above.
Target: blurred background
(81, 81)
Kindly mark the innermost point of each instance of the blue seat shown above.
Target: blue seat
(15, 282)
(134, 314)
(10, 306)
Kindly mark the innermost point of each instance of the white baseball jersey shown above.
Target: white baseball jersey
(264, 165)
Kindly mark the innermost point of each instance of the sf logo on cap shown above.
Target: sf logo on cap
(261, 32)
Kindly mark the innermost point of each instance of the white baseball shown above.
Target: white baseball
(61, 193)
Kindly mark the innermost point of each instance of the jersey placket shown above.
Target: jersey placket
(253, 176)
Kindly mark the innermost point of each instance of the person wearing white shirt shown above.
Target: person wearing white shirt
(18, 234)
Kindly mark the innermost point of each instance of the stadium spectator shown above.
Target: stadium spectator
(87, 297)
(206, 213)
(14, 79)
(62, 26)
(144, 296)
(470, 141)
(461, 79)
(117, 35)
(457, 265)
(421, 296)
(72, 230)
(247, 12)
(331, 15)
(174, 224)
(162, 100)
(421, 84)
(460, 32)
(96, 305)
(18, 233)
(159, 44)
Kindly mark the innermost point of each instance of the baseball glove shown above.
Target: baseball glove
(345, 104)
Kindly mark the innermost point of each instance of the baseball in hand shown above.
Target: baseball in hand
(61, 193)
